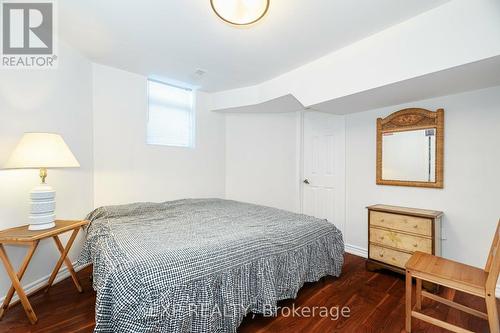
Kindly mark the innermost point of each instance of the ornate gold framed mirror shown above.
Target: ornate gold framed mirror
(410, 148)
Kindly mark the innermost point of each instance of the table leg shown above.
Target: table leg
(17, 286)
(68, 263)
(61, 259)
(20, 274)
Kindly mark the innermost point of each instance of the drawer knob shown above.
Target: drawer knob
(381, 255)
(381, 220)
(415, 245)
(415, 226)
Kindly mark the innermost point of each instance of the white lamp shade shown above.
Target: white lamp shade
(41, 150)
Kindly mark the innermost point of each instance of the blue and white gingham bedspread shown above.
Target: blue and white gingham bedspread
(200, 265)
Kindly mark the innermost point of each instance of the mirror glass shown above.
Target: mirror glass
(409, 155)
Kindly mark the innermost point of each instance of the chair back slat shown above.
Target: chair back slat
(493, 263)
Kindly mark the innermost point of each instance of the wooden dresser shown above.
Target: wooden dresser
(394, 233)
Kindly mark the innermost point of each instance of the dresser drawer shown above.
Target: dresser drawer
(400, 241)
(411, 224)
(389, 256)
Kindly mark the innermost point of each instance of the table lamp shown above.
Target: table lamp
(42, 151)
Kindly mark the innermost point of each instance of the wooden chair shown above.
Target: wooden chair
(472, 280)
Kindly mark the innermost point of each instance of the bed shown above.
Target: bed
(200, 265)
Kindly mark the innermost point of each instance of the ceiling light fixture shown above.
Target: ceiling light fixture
(240, 12)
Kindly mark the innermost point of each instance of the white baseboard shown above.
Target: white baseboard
(362, 252)
(356, 250)
(35, 285)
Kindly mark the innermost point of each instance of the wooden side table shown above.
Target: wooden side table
(31, 238)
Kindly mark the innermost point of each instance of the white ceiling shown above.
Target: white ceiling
(472, 76)
(172, 39)
(287, 103)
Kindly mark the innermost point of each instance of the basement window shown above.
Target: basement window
(170, 115)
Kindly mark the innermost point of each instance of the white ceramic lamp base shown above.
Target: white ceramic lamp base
(43, 206)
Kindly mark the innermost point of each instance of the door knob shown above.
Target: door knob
(306, 181)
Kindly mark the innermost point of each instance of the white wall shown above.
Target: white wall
(58, 100)
(262, 159)
(126, 169)
(469, 200)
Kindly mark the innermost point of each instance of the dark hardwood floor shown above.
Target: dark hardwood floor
(376, 303)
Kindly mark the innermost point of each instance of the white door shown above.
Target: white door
(323, 159)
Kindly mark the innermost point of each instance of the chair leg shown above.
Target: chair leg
(491, 307)
(408, 301)
(418, 294)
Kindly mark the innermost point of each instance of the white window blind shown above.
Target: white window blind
(170, 115)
